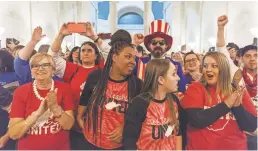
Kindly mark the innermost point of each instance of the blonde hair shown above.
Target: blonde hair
(154, 69)
(39, 56)
(224, 85)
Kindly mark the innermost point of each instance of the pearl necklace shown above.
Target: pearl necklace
(37, 93)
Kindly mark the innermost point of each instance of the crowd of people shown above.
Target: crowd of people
(130, 99)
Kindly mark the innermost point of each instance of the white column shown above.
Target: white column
(175, 25)
(200, 35)
(183, 23)
(147, 16)
(112, 18)
(84, 11)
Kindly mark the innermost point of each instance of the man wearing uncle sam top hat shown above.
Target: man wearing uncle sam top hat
(158, 42)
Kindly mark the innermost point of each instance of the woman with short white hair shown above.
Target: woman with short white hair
(42, 111)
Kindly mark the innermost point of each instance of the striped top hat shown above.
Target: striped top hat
(158, 28)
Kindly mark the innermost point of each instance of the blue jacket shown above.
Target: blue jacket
(143, 61)
(8, 77)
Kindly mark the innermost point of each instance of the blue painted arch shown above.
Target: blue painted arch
(130, 18)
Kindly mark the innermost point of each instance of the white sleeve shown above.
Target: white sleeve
(105, 48)
(233, 67)
(60, 63)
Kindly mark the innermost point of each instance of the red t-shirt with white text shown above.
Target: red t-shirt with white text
(46, 133)
(224, 134)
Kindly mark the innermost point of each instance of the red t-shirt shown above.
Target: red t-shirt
(76, 75)
(152, 136)
(46, 134)
(224, 134)
(111, 119)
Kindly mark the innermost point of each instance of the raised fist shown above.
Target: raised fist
(222, 21)
(138, 39)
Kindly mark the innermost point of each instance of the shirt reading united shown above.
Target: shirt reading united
(224, 133)
(148, 125)
(46, 133)
(112, 118)
(154, 128)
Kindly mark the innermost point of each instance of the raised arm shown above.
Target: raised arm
(222, 21)
(26, 52)
(21, 63)
(56, 47)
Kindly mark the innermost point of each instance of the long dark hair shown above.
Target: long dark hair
(98, 97)
(70, 57)
(154, 69)
(6, 61)
(96, 49)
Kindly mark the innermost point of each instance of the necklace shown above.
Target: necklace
(37, 93)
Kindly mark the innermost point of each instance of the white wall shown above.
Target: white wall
(15, 20)
(18, 19)
(45, 14)
(189, 23)
(195, 23)
(241, 21)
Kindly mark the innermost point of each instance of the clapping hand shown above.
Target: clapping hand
(239, 99)
(51, 100)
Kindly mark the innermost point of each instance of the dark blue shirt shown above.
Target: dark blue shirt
(182, 82)
(8, 77)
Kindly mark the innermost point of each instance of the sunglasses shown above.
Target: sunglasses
(161, 42)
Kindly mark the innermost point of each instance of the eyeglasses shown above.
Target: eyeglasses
(191, 60)
(44, 66)
(161, 42)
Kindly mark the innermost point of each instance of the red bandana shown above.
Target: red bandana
(250, 85)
